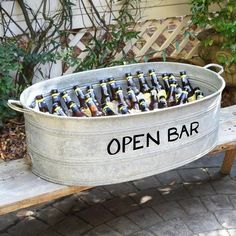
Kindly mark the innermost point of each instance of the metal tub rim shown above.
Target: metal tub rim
(31, 111)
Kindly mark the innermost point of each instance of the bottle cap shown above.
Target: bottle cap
(54, 91)
(151, 71)
(39, 97)
(128, 74)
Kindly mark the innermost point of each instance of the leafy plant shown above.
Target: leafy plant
(9, 63)
(222, 21)
(108, 39)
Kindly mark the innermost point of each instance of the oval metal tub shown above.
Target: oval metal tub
(105, 150)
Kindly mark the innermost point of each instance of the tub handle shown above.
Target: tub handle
(221, 68)
(17, 106)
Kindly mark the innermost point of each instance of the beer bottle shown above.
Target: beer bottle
(113, 86)
(57, 110)
(154, 80)
(131, 83)
(171, 96)
(90, 90)
(132, 99)
(172, 79)
(42, 105)
(75, 110)
(120, 96)
(191, 94)
(183, 97)
(123, 109)
(199, 94)
(178, 91)
(165, 78)
(143, 105)
(66, 98)
(154, 102)
(144, 88)
(55, 97)
(107, 111)
(185, 80)
(81, 97)
(91, 105)
(104, 92)
(162, 103)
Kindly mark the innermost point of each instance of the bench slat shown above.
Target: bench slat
(19, 188)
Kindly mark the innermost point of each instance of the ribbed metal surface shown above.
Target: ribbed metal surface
(105, 150)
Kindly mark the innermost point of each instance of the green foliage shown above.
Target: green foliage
(9, 63)
(103, 48)
(223, 21)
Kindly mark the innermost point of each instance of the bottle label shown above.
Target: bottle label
(103, 85)
(152, 73)
(192, 98)
(55, 94)
(40, 100)
(162, 93)
(129, 77)
(140, 75)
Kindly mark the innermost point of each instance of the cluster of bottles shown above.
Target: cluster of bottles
(113, 101)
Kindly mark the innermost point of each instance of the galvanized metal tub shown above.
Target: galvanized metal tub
(105, 150)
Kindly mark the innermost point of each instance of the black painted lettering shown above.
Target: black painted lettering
(193, 127)
(172, 134)
(117, 146)
(125, 141)
(184, 130)
(136, 141)
(156, 141)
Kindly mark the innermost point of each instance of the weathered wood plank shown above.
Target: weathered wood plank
(19, 188)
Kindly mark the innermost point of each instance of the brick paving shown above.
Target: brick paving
(192, 200)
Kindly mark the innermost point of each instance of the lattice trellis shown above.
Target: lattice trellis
(157, 37)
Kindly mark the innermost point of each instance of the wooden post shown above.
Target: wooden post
(228, 161)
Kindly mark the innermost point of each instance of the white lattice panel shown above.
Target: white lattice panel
(156, 37)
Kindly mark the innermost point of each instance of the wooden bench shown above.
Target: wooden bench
(19, 188)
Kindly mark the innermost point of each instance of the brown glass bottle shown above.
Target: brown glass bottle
(55, 97)
(154, 100)
(154, 80)
(165, 78)
(105, 97)
(75, 110)
(90, 91)
(144, 87)
(81, 97)
(183, 98)
(185, 80)
(123, 109)
(131, 83)
(133, 101)
(171, 96)
(57, 110)
(66, 98)
(162, 103)
(143, 105)
(92, 106)
(41, 103)
(113, 86)
(120, 96)
(107, 111)
(199, 94)
(172, 79)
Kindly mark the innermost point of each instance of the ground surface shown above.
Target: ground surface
(191, 200)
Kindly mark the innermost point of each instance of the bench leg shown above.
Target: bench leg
(228, 162)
